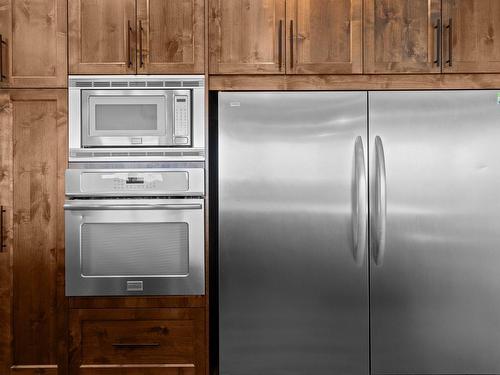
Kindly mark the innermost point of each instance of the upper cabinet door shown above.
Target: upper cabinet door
(402, 36)
(247, 36)
(324, 36)
(474, 26)
(170, 36)
(33, 43)
(102, 36)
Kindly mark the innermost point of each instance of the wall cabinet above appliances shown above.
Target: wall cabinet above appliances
(129, 36)
(292, 37)
(33, 43)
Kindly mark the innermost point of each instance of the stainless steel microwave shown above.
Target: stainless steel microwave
(136, 118)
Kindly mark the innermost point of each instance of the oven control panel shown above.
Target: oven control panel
(182, 120)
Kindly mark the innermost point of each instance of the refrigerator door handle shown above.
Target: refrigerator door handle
(359, 203)
(380, 204)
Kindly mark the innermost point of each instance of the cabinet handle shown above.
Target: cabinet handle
(438, 33)
(291, 44)
(129, 57)
(135, 346)
(141, 61)
(280, 45)
(2, 244)
(2, 43)
(450, 42)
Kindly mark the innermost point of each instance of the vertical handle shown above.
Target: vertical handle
(449, 27)
(141, 61)
(291, 44)
(2, 244)
(129, 57)
(280, 45)
(2, 43)
(359, 203)
(380, 204)
(438, 35)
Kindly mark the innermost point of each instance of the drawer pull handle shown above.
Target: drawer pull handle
(132, 346)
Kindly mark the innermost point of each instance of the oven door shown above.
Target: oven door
(134, 247)
(136, 118)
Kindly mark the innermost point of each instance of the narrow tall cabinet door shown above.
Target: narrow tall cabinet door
(402, 36)
(471, 37)
(247, 37)
(33, 160)
(293, 284)
(171, 36)
(33, 43)
(324, 36)
(435, 234)
(102, 36)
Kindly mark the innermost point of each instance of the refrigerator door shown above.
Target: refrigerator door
(293, 282)
(435, 232)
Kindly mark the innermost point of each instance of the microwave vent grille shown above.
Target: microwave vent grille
(119, 84)
(173, 84)
(83, 84)
(191, 83)
(124, 83)
(137, 84)
(101, 84)
(114, 154)
(155, 84)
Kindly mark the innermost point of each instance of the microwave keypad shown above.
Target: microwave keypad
(181, 122)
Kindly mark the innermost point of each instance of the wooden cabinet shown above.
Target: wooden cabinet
(171, 36)
(33, 143)
(102, 36)
(129, 37)
(247, 37)
(33, 43)
(471, 36)
(255, 37)
(137, 341)
(325, 36)
(402, 36)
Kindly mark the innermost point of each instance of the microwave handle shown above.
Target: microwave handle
(141, 206)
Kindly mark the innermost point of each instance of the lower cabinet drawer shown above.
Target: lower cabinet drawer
(166, 341)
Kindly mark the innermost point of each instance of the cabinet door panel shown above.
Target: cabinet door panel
(245, 36)
(172, 36)
(34, 294)
(100, 40)
(401, 36)
(327, 36)
(475, 30)
(34, 48)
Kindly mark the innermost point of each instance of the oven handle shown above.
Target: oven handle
(133, 206)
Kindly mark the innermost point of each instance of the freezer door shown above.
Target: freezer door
(293, 279)
(435, 232)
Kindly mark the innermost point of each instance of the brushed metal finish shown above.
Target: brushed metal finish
(435, 305)
(379, 208)
(360, 203)
(292, 298)
(79, 213)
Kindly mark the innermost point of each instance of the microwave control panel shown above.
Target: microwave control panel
(182, 120)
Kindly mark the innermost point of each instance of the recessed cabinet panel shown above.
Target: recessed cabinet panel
(326, 36)
(402, 36)
(33, 43)
(102, 36)
(471, 36)
(247, 37)
(170, 36)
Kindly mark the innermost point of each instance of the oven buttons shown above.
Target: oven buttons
(136, 141)
(181, 140)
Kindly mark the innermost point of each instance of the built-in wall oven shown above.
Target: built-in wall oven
(136, 118)
(135, 229)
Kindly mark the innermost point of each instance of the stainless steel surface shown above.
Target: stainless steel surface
(190, 146)
(435, 306)
(360, 203)
(379, 208)
(292, 298)
(99, 182)
(149, 242)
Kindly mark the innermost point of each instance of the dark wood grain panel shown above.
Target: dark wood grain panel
(172, 37)
(400, 36)
(136, 302)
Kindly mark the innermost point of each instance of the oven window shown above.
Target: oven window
(126, 117)
(134, 249)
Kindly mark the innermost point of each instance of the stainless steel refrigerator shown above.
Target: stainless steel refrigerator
(359, 232)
